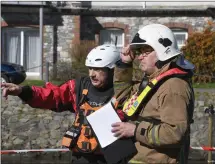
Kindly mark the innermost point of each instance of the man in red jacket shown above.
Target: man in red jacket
(80, 96)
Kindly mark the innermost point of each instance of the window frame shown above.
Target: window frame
(180, 32)
(114, 28)
(21, 31)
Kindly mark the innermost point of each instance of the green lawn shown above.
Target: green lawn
(204, 85)
(42, 83)
(39, 82)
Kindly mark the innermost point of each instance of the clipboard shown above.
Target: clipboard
(115, 150)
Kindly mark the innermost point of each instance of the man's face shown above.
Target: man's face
(98, 76)
(147, 57)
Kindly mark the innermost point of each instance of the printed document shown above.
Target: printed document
(101, 121)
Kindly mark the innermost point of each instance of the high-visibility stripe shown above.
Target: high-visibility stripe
(150, 137)
(129, 103)
(154, 81)
(134, 161)
(136, 104)
(130, 111)
(154, 135)
(139, 99)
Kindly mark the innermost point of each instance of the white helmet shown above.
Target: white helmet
(160, 38)
(103, 56)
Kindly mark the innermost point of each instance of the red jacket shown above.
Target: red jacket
(56, 98)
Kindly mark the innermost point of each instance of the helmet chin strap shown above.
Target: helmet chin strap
(109, 80)
(159, 64)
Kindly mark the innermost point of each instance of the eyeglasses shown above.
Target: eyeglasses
(142, 51)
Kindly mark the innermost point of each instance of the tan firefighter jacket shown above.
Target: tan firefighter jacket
(163, 123)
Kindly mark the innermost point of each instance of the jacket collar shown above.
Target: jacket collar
(160, 71)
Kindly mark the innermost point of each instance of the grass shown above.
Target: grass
(42, 83)
(204, 85)
(39, 82)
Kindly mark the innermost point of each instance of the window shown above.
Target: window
(112, 36)
(21, 46)
(181, 37)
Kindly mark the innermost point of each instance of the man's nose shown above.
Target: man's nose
(91, 73)
(141, 57)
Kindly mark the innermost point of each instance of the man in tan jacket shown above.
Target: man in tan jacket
(162, 115)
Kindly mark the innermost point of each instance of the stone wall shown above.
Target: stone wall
(92, 25)
(199, 129)
(23, 127)
(58, 38)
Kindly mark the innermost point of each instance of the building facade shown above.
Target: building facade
(68, 23)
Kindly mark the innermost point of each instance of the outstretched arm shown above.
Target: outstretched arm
(48, 98)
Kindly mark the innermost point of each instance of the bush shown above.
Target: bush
(78, 54)
(200, 50)
(75, 67)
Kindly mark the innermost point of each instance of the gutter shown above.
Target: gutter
(23, 4)
(136, 12)
(122, 12)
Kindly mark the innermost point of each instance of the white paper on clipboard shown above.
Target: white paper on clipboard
(101, 121)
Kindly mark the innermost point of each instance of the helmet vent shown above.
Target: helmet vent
(98, 59)
(102, 49)
(165, 42)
